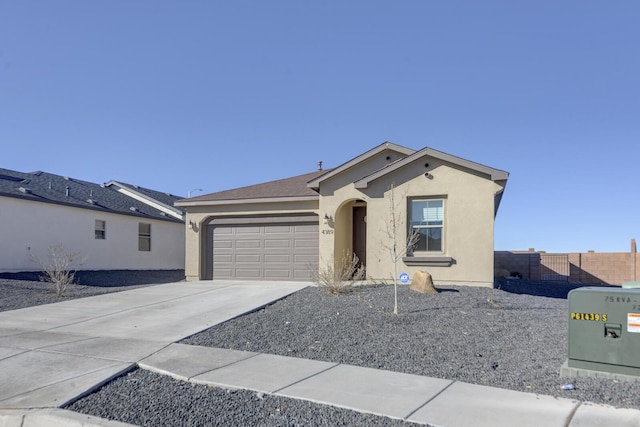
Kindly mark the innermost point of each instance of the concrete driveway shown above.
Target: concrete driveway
(52, 354)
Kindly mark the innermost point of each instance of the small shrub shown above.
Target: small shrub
(59, 268)
(339, 277)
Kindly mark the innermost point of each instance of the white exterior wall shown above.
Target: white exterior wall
(28, 229)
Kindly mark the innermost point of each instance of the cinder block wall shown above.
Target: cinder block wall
(526, 264)
(611, 268)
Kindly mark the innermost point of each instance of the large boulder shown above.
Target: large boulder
(423, 283)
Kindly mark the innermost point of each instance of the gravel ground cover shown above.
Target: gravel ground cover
(512, 337)
(147, 399)
(21, 290)
(506, 338)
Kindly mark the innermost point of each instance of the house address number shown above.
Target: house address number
(327, 231)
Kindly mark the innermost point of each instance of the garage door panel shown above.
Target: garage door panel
(248, 259)
(283, 229)
(271, 273)
(224, 258)
(300, 274)
(305, 259)
(248, 244)
(223, 244)
(245, 273)
(220, 230)
(304, 243)
(224, 273)
(272, 243)
(277, 259)
(245, 229)
(269, 251)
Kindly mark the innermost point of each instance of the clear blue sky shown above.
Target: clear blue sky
(178, 95)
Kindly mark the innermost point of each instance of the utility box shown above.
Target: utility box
(604, 332)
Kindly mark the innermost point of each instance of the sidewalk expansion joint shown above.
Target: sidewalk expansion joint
(429, 401)
(306, 378)
(572, 414)
(189, 379)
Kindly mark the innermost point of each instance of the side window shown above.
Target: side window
(427, 220)
(144, 237)
(100, 229)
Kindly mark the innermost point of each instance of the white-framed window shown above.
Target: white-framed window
(427, 220)
(144, 237)
(100, 229)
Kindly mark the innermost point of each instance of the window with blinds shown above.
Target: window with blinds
(100, 229)
(427, 220)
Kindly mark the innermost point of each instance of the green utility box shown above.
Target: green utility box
(604, 332)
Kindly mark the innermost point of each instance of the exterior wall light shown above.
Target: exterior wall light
(326, 219)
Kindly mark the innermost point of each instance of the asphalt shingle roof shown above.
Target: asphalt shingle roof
(165, 198)
(289, 187)
(50, 188)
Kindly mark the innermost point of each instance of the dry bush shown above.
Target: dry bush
(59, 267)
(339, 277)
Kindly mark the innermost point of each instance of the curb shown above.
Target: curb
(52, 417)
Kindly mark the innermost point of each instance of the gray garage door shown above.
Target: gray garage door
(276, 248)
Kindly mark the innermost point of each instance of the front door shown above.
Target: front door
(360, 233)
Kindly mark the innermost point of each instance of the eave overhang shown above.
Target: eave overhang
(315, 183)
(187, 203)
(493, 174)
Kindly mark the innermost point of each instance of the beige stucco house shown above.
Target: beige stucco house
(279, 230)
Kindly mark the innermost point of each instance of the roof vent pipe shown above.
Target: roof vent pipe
(67, 191)
(320, 165)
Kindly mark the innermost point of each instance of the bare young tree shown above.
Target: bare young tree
(59, 267)
(397, 248)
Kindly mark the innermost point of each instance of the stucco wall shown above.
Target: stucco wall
(28, 229)
(469, 220)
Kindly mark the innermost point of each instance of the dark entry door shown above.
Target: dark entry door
(360, 233)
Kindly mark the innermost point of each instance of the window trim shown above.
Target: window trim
(435, 261)
(100, 229)
(429, 254)
(144, 238)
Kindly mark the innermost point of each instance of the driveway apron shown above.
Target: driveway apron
(52, 354)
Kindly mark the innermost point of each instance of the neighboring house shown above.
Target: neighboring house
(279, 230)
(113, 226)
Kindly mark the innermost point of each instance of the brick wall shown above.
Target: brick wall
(612, 268)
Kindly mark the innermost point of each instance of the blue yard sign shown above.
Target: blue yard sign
(404, 278)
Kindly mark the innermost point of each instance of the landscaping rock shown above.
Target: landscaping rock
(423, 283)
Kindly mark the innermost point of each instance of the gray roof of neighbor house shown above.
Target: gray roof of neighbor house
(288, 188)
(49, 188)
(164, 198)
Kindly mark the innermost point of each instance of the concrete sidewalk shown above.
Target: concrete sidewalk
(413, 398)
(51, 355)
